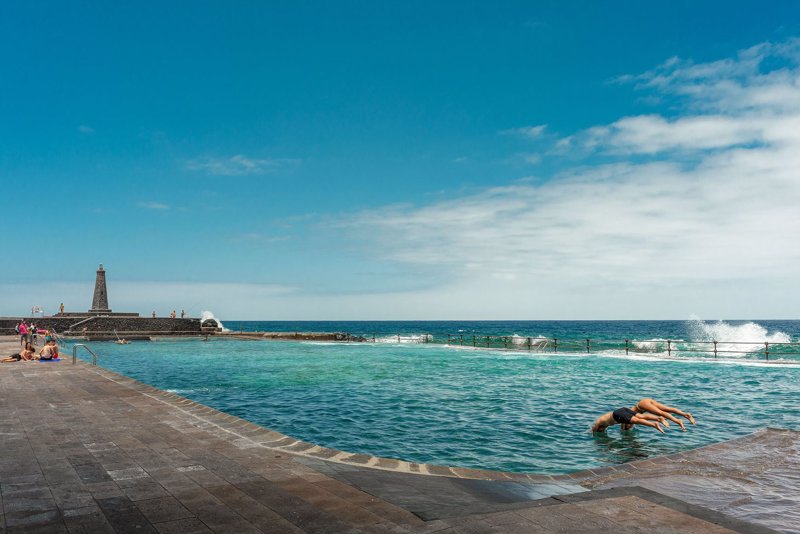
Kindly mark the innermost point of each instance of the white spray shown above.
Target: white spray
(210, 315)
(747, 337)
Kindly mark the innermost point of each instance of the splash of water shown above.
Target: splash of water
(749, 336)
(409, 338)
(538, 342)
(722, 331)
(652, 345)
(210, 315)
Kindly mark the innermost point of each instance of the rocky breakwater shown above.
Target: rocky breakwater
(297, 336)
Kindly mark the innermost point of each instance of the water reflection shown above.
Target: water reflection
(617, 446)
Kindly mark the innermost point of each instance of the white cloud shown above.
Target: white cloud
(728, 103)
(87, 130)
(238, 165)
(531, 132)
(158, 206)
(649, 134)
(531, 158)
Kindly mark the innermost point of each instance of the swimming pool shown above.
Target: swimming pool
(462, 407)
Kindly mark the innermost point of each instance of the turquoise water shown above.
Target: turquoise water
(474, 408)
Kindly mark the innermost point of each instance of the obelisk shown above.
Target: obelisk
(100, 300)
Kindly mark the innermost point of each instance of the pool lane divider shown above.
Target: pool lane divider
(246, 434)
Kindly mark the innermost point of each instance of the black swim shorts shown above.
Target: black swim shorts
(623, 416)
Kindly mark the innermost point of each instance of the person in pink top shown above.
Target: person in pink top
(23, 334)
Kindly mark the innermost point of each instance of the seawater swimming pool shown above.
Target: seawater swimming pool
(463, 407)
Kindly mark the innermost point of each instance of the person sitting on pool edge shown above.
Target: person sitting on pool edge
(49, 351)
(647, 412)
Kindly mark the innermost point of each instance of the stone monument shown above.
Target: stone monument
(100, 299)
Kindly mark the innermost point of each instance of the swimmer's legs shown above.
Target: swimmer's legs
(639, 420)
(653, 406)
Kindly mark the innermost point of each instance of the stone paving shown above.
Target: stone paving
(87, 450)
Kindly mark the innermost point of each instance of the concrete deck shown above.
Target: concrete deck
(88, 450)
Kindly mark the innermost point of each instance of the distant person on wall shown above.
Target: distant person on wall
(61, 308)
(154, 314)
(183, 314)
(647, 412)
(173, 315)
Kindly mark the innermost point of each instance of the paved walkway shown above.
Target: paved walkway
(87, 450)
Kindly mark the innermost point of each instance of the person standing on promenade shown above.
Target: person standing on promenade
(154, 314)
(61, 308)
(23, 333)
(183, 314)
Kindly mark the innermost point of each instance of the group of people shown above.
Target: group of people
(49, 352)
(29, 332)
(173, 315)
(28, 337)
(646, 412)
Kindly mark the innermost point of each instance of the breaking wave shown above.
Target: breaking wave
(728, 340)
(210, 315)
(407, 338)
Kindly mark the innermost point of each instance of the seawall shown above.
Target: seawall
(100, 326)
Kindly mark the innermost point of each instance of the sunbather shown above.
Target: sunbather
(26, 354)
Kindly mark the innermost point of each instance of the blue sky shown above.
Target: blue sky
(402, 160)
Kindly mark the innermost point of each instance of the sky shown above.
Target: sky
(402, 160)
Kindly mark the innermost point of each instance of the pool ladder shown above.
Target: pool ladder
(75, 353)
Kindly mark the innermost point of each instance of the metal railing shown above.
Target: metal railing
(75, 353)
(587, 345)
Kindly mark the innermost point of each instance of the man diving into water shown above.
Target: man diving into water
(647, 412)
